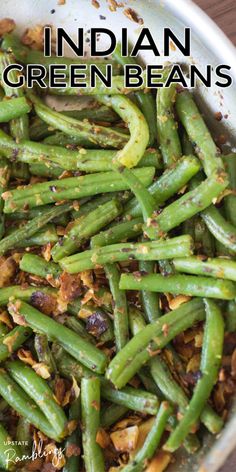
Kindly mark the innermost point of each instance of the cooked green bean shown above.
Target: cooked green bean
(210, 363)
(19, 127)
(118, 233)
(136, 352)
(21, 402)
(150, 300)
(73, 461)
(230, 200)
(218, 267)
(230, 317)
(34, 264)
(85, 227)
(90, 407)
(23, 293)
(71, 189)
(31, 227)
(180, 284)
(13, 108)
(152, 440)
(43, 352)
(97, 134)
(38, 390)
(4, 178)
(169, 183)
(147, 251)
(111, 414)
(198, 133)
(167, 126)
(188, 205)
(221, 229)
(88, 354)
(120, 311)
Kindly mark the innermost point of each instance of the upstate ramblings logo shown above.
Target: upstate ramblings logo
(36, 452)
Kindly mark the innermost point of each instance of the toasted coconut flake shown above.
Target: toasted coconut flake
(10, 340)
(26, 357)
(103, 438)
(55, 456)
(8, 270)
(7, 25)
(194, 363)
(72, 450)
(178, 301)
(75, 388)
(143, 428)
(17, 318)
(34, 37)
(130, 421)
(5, 318)
(70, 287)
(44, 302)
(133, 16)
(42, 370)
(87, 278)
(125, 439)
(165, 329)
(46, 252)
(160, 462)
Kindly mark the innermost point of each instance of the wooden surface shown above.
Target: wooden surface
(223, 12)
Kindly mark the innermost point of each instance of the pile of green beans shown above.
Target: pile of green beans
(117, 237)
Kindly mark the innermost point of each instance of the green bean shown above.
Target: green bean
(147, 251)
(118, 233)
(90, 406)
(3, 330)
(217, 268)
(210, 364)
(70, 188)
(62, 220)
(93, 203)
(204, 241)
(43, 352)
(136, 353)
(73, 461)
(150, 300)
(53, 157)
(111, 414)
(133, 151)
(19, 127)
(221, 229)
(4, 178)
(42, 170)
(230, 200)
(169, 183)
(23, 293)
(120, 311)
(31, 56)
(152, 441)
(13, 108)
(40, 130)
(31, 227)
(168, 386)
(85, 227)
(38, 390)
(25, 406)
(188, 205)
(198, 133)
(167, 126)
(180, 284)
(99, 135)
(129, 397)
(145, 100)
(13, 340)
(34, 264)
(45, 235)
(8, 452)
(230, 317)
(24, 436)
(88, 354)
(133, 398)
